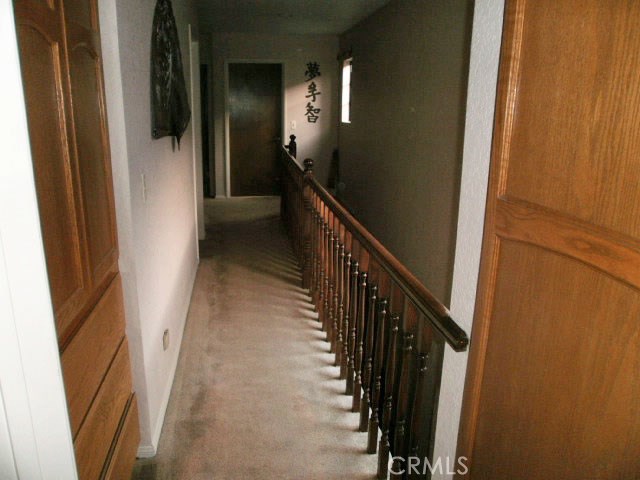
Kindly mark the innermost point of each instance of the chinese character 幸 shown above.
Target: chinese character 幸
(313, 91)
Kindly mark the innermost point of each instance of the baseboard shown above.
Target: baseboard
(148, 451)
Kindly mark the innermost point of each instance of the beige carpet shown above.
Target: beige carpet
(255, 394)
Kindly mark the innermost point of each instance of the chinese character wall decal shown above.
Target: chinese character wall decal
(312, 72)
(313, 91)
(312, 113)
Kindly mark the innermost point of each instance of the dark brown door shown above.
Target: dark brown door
(553, 386)
(62, 75)
(255, 119)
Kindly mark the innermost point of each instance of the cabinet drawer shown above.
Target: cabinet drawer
(99, 429)
(86, 359)
(123, 454)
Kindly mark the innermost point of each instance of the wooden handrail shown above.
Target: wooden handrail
(423, 299)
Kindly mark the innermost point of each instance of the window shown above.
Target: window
(346, 91)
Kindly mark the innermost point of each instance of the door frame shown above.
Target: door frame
(227, 138)
(196, 133)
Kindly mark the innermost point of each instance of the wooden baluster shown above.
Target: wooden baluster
(321, 232)
(346, 307)
(329, 280)
(390, 361)
(417, 413)
(359, 349)
(327, 272)
(308, 207)
(353, 315)
(299, 219)
(319, 272)
(325, 287)
(399, 430)
(425, 406)
(340, 305)
(334, 298)
(314, 250)
(376, 374)
(367, 365)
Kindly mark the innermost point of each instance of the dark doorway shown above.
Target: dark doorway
(255, 118)
(208, 167)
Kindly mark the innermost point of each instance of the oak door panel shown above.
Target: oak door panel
(562, 371)
(92, 149)
(553, 377)
(570, 122)
(81, 13)
(41, 40)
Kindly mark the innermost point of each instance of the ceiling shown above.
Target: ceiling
(284, 16)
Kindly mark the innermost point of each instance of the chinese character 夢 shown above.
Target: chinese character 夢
(313, 71)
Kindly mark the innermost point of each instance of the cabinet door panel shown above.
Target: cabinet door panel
(56, 182)
(92, 151)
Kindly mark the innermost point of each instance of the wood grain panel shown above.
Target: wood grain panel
(255, 117)
(575, 144)
(93, 346)
(552, 382)
(123, 455)
(99, 429)
(81, 12)
(62, 75)
(93, 150)
(581, 384)
(612, 253)
(40, 39)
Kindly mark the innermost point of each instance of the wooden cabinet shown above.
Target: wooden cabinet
(63, 81)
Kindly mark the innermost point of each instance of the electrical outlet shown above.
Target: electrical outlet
(165, 340)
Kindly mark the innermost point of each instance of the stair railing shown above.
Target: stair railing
(386, 329)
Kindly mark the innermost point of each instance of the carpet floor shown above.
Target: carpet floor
(256, 395)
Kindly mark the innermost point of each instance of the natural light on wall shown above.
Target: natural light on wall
(346, 91)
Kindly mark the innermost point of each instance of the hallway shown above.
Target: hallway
(256, 395)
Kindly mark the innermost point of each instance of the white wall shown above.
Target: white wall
(157, 227)
(483, 74)
(315, 140)
(33, 410)
(400, 157)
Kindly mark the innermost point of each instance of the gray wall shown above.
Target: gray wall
(400, 157)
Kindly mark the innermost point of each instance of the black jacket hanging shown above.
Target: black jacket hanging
(170, 110)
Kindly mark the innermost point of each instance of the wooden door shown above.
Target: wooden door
(255, 118)
(62, 75)
(553, 385)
